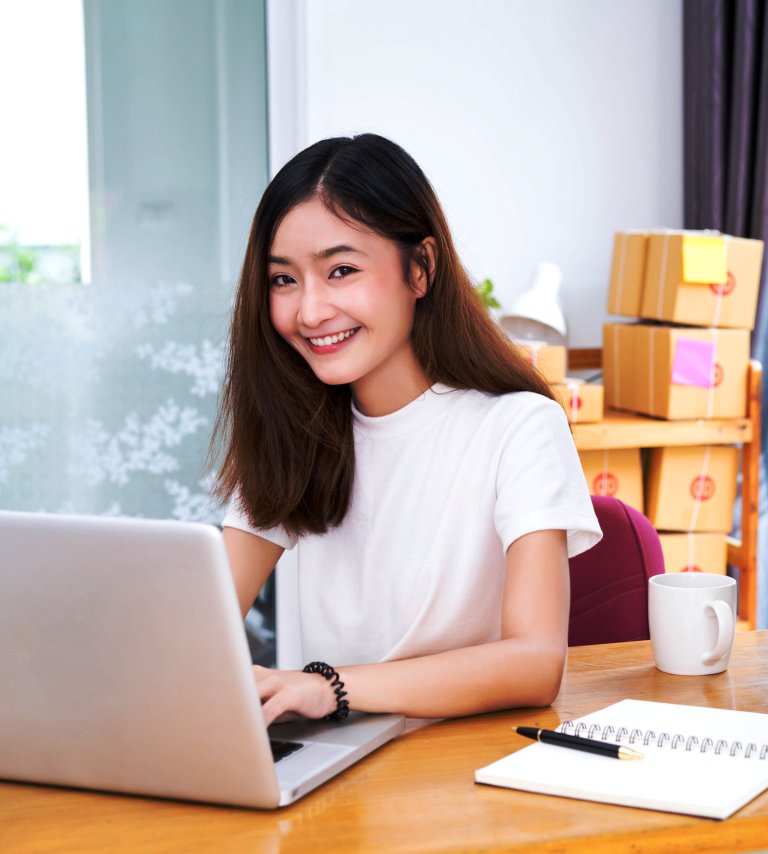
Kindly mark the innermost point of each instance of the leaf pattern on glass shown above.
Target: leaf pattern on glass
(108, 398)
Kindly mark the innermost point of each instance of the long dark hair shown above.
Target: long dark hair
(284, 438)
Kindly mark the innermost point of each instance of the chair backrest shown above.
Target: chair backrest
(609, 582)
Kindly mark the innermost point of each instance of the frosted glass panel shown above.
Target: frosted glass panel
(108, 398)
(108, 390)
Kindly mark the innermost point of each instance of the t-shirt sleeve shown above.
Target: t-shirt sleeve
(236, 517)
(540, 483)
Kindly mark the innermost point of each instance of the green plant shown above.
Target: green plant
(485, 291)
(23, 263)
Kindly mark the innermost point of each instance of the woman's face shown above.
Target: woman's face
(338, 296)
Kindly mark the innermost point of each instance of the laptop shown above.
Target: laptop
(124, 666)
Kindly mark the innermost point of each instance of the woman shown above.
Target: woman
(377, 418)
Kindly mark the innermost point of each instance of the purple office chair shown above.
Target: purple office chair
(609, 583)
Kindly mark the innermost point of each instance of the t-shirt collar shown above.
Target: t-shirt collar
(429, 405)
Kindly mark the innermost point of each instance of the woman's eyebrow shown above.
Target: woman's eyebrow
(336, 250)
(321, 255)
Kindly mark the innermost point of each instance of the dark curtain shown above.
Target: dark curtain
(725, 96)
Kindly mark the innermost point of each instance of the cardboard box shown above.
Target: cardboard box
(692, 488)
(616, 472)
(618, 365)
(582, 402)
(702, 279)
(550, 359)
(625, 293)
(676, 372)
(694, 552)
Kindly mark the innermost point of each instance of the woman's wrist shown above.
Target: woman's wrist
(341, 709)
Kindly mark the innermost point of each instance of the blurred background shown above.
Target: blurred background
(140, 134)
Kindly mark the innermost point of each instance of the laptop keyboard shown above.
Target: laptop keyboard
(281, 749)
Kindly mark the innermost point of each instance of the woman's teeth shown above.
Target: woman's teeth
(333, 339)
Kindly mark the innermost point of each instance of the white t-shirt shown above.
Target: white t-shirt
(442, 488)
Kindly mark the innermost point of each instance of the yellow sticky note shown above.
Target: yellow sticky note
(704, 260)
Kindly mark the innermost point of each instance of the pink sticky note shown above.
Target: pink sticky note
(693, 363)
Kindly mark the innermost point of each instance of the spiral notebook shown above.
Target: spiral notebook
(698, 761)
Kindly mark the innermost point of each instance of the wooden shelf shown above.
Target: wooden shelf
(626, 430)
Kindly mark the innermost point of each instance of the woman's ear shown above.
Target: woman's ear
(423, 270)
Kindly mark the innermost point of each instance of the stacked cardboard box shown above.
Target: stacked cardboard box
(702, 279)
(548, 359)
(688, 277)
(705, 284)
(694, 552)
(676, 372)
(625, 295)
(617, 472)
(693, 297)
(692, 488)
(582, 401)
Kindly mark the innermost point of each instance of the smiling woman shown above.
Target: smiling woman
(346, 310)
(375, 416)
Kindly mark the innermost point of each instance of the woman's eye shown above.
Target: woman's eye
(342, 271)
(280, 280)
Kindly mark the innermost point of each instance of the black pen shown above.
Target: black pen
(576, 742)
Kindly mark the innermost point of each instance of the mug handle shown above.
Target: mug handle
(725, 630)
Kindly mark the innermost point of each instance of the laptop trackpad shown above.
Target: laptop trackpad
(329, 748)
(313, 764)
(356, 730)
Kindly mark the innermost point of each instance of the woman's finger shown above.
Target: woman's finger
(273, 708)
(260, 672)
(269, 686)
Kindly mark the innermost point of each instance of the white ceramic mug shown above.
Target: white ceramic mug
(692, 618)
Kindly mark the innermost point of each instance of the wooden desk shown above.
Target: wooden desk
(417, 793)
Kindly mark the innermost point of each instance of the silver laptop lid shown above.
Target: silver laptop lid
(123, 661)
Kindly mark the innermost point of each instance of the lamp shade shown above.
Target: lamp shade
(537, 313)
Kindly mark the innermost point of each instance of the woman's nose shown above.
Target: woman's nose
(315, 307)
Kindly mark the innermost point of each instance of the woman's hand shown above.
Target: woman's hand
(307, 694)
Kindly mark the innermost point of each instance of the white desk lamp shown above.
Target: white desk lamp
(537, 314)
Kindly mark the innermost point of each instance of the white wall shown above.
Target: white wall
(545, 126)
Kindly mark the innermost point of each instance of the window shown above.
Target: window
(44, 233)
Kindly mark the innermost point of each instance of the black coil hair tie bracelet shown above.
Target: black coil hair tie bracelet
(327, 672)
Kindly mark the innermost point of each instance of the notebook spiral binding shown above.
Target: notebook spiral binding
(664, 739)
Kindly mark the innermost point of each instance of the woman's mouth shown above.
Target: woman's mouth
(331, 343)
